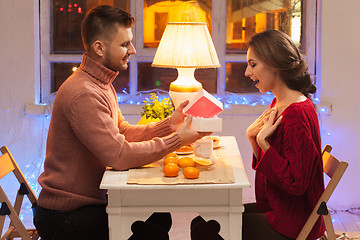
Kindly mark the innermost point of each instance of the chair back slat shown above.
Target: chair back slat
(335, 170)
(16, 228)
(18, 202)
(2, 221)
(19, 175)
(335, 179)
(330, 164)
(6, 165)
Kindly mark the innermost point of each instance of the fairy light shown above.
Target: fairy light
(228, 99)
(323, 109)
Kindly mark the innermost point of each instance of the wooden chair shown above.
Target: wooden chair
(16, 227)
(335, 170)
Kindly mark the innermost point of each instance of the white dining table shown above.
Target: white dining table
(222, 202)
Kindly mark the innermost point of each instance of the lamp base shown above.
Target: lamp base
(179, 97)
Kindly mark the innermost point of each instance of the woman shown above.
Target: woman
(285, 140)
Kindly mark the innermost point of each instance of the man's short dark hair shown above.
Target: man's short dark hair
(102, 21)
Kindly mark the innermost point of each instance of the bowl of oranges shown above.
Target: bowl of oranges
(188, 165)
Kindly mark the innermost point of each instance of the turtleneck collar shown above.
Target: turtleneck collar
(96, 70)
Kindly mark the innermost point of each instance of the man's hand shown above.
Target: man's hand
(177, 118)
(187, 135)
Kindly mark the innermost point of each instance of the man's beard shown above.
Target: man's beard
(115, 67)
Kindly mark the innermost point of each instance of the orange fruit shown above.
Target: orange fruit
(186, 162)
(186, 148)
(202, 161)
(171, 159)
(216, 141)
(172, 154)
(171, 170)
(191, 172)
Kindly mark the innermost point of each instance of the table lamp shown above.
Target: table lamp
(185, 46)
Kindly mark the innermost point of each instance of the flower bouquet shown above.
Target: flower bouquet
(155, 110)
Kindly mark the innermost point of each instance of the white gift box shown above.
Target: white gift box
(206, 124)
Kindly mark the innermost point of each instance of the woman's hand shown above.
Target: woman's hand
(268, 128)
(177, 118)
(253, 130)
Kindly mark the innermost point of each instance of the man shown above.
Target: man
(87, 133)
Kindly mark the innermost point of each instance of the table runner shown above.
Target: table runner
(218, 173)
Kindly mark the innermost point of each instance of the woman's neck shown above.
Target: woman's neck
(286, 96)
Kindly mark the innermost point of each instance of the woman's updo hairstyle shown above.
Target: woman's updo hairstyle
(277, 50)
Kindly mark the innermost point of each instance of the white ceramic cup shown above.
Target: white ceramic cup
(203, 147)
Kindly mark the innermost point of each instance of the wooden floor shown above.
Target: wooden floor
(344, 222)
(347, 222)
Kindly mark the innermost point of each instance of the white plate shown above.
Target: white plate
(190, 152)
(218, 146)
(183, 153)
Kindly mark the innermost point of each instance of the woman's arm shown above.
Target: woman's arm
(290, 164)
(254, 145)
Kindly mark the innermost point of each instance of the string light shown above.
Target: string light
(229, 99)
(76, 7)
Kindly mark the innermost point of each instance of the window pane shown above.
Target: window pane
(122, 81)
(158, 13)
(245, 18)
(160, 78)
(207, 77)
(66, 22)
(61, 71)
(236, 81)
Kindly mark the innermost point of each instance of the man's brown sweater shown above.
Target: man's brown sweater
(87, 133)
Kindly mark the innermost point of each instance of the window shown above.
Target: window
(245, 18)
(231, 24)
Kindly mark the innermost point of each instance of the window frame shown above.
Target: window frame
(147, 54)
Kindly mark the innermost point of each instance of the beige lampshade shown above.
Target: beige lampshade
(186, 45)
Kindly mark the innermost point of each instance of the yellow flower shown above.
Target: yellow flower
(153, 108)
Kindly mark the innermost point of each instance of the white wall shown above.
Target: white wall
(339, 51)
(340, 64)
(21, 133)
